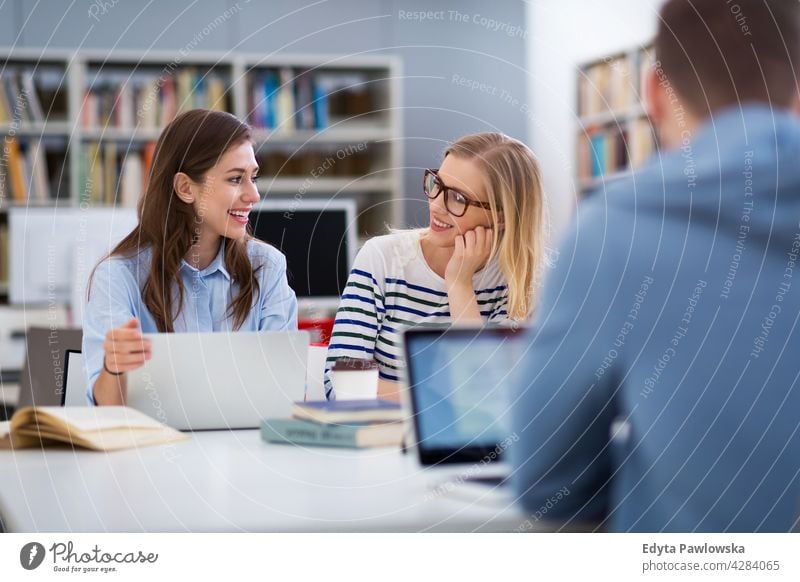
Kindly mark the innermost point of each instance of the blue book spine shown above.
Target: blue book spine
(301, 432)
(320, 108)
(598, 155)
(350, 405)
(270, 98)
(200, 98)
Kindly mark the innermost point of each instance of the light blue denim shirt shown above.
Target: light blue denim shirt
(115, 297)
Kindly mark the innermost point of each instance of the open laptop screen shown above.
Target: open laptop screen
(459, 380)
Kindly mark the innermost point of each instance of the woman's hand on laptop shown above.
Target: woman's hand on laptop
(126, 349)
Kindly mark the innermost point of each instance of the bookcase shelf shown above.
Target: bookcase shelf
(614, 133)
(613, 117)
(371, 115)
(82, 125)
(115, 134)
(346, 133)
(291, 186)
(36, 128)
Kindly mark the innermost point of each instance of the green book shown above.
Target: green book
(356, 436)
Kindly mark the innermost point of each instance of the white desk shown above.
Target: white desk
(232, 481)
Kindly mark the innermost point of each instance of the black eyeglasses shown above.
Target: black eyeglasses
(455, 202)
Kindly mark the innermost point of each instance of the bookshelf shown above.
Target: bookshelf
(614, 133)
(335, 135)
(79, 127)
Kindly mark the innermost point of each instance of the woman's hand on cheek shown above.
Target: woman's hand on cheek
(471, 253)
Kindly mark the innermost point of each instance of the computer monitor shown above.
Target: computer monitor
(54, 250)
(318, 238)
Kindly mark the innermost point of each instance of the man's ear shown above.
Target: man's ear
(182, 184)
(796, 104)
(653, 95)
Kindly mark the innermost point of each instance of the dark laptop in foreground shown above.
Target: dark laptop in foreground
(459, 382)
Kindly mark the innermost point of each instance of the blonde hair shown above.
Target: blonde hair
(512, 180)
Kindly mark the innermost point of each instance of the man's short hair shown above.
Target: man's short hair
(718, 53)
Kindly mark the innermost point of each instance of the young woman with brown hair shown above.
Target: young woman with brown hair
(190, 265)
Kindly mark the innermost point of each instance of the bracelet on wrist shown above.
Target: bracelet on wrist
(109, 371)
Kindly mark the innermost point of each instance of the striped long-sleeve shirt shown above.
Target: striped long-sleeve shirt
(391, 287)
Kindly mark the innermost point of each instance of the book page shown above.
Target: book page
(96, 418)
(107, 440)
(105, 428)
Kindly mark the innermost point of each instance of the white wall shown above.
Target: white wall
(562, 35)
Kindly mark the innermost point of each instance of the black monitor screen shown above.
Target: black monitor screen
(314, 242)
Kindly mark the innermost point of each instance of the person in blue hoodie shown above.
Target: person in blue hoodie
(661, 390)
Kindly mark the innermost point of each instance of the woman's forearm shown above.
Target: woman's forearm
(463, 304)
(111, 390)
(389, 390)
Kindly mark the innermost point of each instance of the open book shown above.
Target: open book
(100, 428)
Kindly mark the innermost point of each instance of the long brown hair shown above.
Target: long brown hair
(513, 182)
(192, 143)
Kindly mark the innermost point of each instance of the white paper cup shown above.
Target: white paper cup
(355, 384)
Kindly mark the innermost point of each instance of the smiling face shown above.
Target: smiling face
(465, 176)
(224, 199)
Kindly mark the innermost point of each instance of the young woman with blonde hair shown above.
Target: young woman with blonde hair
(190, 265)
(476, 262)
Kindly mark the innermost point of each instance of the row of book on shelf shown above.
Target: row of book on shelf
(284, 101)
(151, 101)
(24, 175)
(23, 100)
(114, 176)
(114, 173)
(109, 175)
(612, 84)
(280, 99)
(614, 148)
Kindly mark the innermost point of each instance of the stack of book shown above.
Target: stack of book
(344, 423)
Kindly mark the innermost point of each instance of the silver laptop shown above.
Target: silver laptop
(200, 381)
